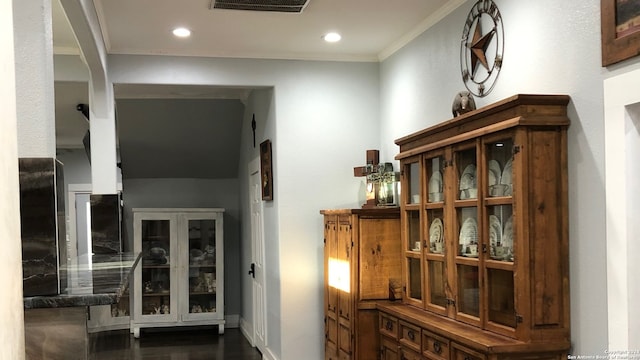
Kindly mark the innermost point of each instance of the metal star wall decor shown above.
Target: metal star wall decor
(481, 53)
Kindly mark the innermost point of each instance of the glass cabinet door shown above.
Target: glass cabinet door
(465, 162)
(467, 264)
(202, 265)
(156, 279)
(412, 234)
(413, 268)
(468, 245)
(500, 227)
(498, 155)
(434, 167)
(435, 277)
(412, 182)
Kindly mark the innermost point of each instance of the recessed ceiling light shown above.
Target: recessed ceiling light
(332, 37)
(181, 32)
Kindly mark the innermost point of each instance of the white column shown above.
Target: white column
(84, 22)
(102, 126)
(12, 309)
(622, 146)
(34, 78)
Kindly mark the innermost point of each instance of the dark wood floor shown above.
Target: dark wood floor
(181, 344)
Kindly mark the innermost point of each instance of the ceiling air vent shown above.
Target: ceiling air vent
(290, 6)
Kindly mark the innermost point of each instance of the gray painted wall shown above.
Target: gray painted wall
(322, 119)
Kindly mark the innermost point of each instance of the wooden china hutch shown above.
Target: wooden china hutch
(484, 237)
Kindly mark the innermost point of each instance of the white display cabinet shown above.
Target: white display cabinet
(180, 278)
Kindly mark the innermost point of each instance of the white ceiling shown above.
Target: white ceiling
(371, 31)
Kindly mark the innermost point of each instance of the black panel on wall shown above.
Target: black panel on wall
(38, 224)
(105, 224)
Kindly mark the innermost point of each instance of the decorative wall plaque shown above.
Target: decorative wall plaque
(481, 48)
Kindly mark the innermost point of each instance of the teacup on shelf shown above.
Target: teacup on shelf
(471, 193)
(498, 189)
(435, 197)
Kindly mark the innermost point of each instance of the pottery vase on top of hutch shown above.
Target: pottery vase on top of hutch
(483, 240)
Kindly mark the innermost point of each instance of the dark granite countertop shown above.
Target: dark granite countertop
(92, 280)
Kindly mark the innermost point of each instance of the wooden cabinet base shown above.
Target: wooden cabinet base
(445, 339)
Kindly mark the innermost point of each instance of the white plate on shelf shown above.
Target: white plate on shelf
(468, 178)
(495, 230)
(436, 231)
(495, 233)
(494, 177)
(494, 166)
(468, 233)
(506, 178)
(435, 182)
(494, 172)
(507, 234)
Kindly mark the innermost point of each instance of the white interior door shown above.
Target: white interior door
(257, 258)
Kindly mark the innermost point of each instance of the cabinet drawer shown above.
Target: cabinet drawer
(389, 326)
(462, 353)
(408, 354)
(434, 346)
(410, 336)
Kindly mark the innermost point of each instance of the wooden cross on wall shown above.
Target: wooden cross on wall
(373, 159)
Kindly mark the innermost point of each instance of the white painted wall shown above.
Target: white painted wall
(261, 103)
(325, 118)
(34, 79)
(11, 304)
(550, 47)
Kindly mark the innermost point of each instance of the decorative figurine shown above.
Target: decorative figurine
(463, 102)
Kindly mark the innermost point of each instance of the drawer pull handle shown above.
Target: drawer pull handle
(437, 348)
(468, 358)
(411, 335)
(389, 325)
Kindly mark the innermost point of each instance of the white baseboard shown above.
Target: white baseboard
(247, 330)
(269, 355)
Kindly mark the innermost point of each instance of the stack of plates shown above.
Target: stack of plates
(501, 240)
(435, 187)
(468, 184)
(505, 179)
(436, 236)
(468, 236)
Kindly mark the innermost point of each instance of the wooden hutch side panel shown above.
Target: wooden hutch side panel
(548, 232)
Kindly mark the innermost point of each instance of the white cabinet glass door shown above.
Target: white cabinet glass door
(201, 246)
(156, 273)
